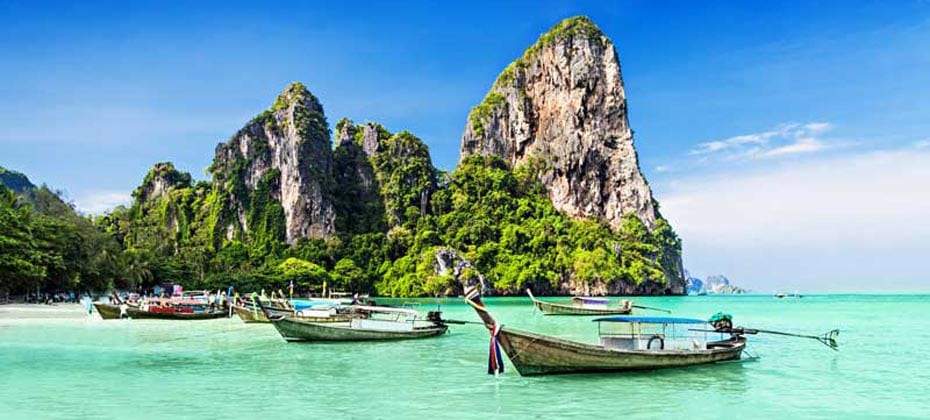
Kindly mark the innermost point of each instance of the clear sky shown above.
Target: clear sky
(788, 142)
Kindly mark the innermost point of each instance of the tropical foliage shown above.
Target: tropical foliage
(393, 212)
(45, 245)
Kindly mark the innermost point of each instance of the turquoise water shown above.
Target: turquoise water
(63, 364)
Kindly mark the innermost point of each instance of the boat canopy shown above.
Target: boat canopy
(386, 310)
(651, 320)
(312, 304)
(597, 300)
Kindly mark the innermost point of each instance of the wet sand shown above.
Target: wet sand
(21, 311)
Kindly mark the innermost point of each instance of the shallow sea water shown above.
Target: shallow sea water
(59, 363)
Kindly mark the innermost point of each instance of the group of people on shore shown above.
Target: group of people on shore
(51, 298)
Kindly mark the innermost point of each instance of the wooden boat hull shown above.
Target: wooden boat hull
(548, 308)
(109, 311)
(250, 315)
(534, 354)
(296, 329)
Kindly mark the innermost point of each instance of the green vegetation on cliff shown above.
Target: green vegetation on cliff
(506, 225)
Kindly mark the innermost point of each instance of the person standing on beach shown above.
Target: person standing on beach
(89, 304)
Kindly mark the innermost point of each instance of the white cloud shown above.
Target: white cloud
(99, 202)
(923, 144)
(818, 127)
(736, 142)
(786, 139)
(859, 217)
(805, 145)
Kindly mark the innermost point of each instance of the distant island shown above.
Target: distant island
(713, 285)
(548, 195)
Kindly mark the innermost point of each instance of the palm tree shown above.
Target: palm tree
(138, 265)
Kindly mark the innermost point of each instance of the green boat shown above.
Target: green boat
(379, 323)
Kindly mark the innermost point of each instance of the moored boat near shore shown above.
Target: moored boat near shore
(381, 323)
(249, 314)
(111, 311)
(254, 314)
(249, 311)
(582, 306)
(626, 344)
(107, 311)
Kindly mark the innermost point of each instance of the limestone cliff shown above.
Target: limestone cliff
(159, 180)
(15, 181)
(358, 205)
(382, 178)
(168, 212)
(562, 106)
(282, 158)
(548, 194)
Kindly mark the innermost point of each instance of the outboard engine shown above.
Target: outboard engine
(721, 322)
(435, 317)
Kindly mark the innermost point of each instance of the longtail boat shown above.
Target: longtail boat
(106, 310)
(626, 344)
(255, 314)
(249, 311)
(380, 323)
(111, 311)
(249, 314)
(582, 306)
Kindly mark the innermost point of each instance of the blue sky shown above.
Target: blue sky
(788, 142)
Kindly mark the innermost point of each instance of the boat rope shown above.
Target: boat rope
(751, 355)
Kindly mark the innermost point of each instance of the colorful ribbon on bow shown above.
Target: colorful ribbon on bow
(495, 362)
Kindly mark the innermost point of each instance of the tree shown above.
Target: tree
(304, 274)
(19, 259)
(139, 266)
(348, 276)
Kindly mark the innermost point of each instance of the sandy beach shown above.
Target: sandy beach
(25, 311)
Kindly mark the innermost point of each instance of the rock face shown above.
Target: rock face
(614, 288)
(693, 285)
(282, 155)
(381, 176)
(463, 272)
(713, 285)
(358, 204)
(562, 106)
(720, 285)
(15, 181)
(159, 180)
